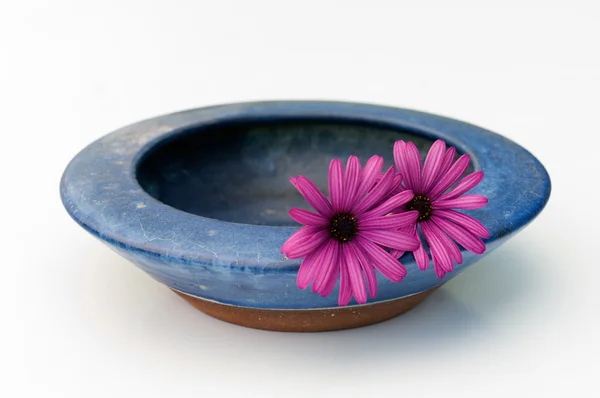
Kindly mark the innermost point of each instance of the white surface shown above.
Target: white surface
(79, 321)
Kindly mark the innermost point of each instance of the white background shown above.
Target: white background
(79, 321)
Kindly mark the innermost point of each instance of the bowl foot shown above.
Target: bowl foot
(317, 320)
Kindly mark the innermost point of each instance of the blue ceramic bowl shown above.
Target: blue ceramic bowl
(199, 199)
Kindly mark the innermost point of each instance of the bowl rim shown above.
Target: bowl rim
(101, 192)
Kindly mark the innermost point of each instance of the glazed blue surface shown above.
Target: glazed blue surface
(200, 205)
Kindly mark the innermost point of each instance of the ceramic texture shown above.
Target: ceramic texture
(198, 199)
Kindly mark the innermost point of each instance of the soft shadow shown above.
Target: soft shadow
(129, 306)
(453, 317)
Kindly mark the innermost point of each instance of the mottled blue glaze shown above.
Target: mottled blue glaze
(197, 199)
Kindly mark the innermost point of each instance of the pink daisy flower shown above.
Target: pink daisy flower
(438, 220)
(346, 236)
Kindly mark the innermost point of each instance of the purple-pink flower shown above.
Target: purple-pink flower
(347, 235)
(438, 220)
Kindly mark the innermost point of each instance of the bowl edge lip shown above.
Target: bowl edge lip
(291, 265)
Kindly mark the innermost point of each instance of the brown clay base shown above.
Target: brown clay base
(308, 320)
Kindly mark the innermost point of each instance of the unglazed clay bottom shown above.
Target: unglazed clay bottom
(317, 320)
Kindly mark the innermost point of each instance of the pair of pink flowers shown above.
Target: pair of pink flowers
(371, 219)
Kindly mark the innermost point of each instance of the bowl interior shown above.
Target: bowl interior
(239, 171)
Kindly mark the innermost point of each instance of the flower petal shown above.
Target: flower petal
(313, 196)
(421, 257)
(368, 176)
(393, 221)
(351, 182)
(397, 253)
(345, 287)
(308, 267)
(465, 185)
(466, 239)
(397, 186)
(408, 162)
(357, 281)
(336, 184)
(399, 152)
(330, 284)
(326, 268)
(446, 163)
(376, 194)
(433, 162)
(467, 202)
(450, 177)
(445, 166)
(469, 223)
(439, 251)
(414, 165)
(305, 272)
(299, 237)
(367, 267)
(308, 246)
(393, 203)
(439, 271)
(389, 267)
(392, 239)
(451, 247)
(308, 217)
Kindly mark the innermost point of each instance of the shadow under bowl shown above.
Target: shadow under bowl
(199, 200)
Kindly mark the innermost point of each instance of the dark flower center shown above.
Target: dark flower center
(422, 204)
(343, 227)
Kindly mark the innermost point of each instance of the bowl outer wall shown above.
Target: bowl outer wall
(241, 264)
